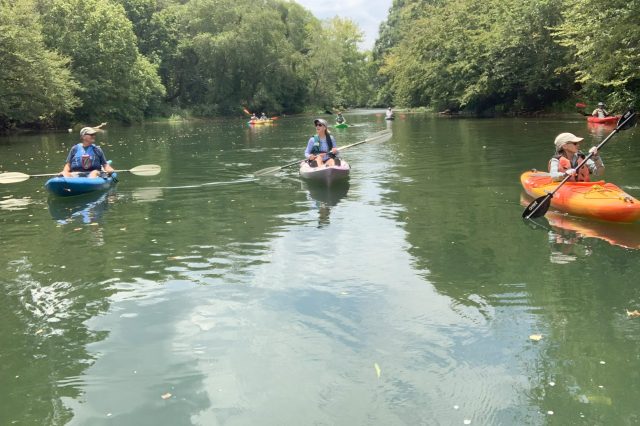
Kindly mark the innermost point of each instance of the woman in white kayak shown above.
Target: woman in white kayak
(321, 148)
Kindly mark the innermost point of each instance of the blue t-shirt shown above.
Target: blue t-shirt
(86, 159)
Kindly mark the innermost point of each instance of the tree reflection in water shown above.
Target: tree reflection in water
(327, 197)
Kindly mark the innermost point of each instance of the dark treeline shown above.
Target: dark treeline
(63, 61)
(91, 60)
(509, 55)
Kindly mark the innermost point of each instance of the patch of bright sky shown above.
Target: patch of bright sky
(368, 14)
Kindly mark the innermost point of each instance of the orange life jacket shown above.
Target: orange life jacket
(564, 164)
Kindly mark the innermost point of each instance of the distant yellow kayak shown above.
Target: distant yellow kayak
(258, 122)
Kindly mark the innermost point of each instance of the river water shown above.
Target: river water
(409, 296)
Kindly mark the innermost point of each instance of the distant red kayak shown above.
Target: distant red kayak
(606, 120)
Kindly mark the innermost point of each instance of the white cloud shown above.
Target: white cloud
(368, 14)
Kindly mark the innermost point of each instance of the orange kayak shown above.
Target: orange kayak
(625, 235)
(613, 119)
(599, 200)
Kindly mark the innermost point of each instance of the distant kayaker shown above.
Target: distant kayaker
(600, 112)
(321, 148)
(389, 113)
(85, 157)
(568, 156)
(339, 118)
(263, 117)
(254, 117)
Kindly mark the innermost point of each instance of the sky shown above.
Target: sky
(368, 14)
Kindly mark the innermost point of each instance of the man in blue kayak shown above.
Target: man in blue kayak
(85, 158)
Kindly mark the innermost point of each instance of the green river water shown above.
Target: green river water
(205, 296)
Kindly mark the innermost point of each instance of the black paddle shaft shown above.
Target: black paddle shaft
(540, 205)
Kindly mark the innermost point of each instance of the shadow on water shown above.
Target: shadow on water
(330, 196)
(326, 198)
(83, 209)
(571, 229)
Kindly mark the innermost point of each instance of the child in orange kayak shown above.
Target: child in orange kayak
(568, 156)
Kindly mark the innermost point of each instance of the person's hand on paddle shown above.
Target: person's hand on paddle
(594, 151)
(570, 172)
(334, 150)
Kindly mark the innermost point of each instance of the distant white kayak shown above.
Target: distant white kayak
(324, 174)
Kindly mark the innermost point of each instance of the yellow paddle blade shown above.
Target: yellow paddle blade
(13, 177)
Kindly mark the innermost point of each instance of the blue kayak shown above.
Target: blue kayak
(69, 186)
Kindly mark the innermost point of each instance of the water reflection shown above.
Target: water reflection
(146, 195)
(326, 197)
(571, 230)
(86, 209)
(600, 130)
(12, 204)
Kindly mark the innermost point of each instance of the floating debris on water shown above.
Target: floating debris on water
(633, 314)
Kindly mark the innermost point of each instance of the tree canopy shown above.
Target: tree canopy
(123, 60)
(507, 55)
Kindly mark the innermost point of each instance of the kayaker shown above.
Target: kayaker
(389, 113)
(85, 157)
(254, 117)
(263, 117)
(568, 156)
(321, 148)
(600, 112)
(339, 118)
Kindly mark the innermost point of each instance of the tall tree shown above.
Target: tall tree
(479, 54)
(116, 80)
(234, 53)
(604, 40)
(35, 83)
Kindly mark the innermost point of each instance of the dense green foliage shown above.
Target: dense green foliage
(606, 47)
(507, 55)
(35, 83)
(122, 60)
(94, 60)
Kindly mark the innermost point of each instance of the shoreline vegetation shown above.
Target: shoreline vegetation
(176, 118)
(131, 61)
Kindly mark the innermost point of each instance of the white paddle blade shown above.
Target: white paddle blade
(13, 177)
(382, 137)
(146, 170)
(267, 171)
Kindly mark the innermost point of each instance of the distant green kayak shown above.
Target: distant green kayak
(341, 126)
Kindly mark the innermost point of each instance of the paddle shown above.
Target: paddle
(142, 170)
(382, 136)
(580, 106)
(540, 205)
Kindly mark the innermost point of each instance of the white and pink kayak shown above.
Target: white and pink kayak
(324, 174)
